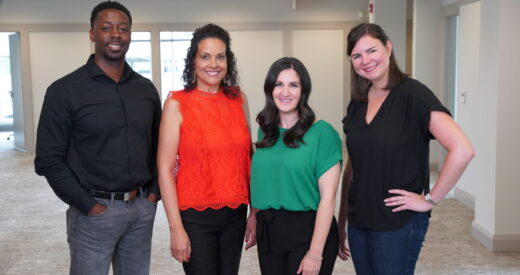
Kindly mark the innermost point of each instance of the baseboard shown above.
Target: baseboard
(465, 197)
(497, 242)
(20, 149)
(506, 242)
(482, 235)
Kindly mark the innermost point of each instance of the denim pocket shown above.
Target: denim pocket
(150, 203)
(107, 208)
(147, 209)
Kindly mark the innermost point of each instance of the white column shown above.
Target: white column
(497, 222)
(470, 98)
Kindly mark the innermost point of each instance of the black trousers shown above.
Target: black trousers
(283, 238)
(216, 238)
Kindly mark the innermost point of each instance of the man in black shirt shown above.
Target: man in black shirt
(96, 146)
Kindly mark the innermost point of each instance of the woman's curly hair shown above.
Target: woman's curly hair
(230, 81)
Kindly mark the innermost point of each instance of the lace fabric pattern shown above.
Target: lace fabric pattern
(213, 157)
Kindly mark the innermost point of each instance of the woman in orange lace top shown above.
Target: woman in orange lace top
(204, 138)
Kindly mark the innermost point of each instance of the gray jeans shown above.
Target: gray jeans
(121, 235)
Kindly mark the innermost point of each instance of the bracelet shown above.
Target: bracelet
(318, 259)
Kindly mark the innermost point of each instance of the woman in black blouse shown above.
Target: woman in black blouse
(389, 123)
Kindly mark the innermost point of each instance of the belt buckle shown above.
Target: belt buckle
(127, 196)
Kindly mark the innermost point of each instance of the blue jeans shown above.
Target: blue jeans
(388, 251)
(121, 235)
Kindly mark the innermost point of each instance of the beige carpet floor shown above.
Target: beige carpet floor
(33, 238)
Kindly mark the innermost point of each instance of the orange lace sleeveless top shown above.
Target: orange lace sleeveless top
(214, 162)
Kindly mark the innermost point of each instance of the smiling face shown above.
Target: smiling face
(371, 59)
(111, 34)
(287, 92)
(210, 64)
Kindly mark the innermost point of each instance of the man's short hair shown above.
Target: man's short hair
(105, 6)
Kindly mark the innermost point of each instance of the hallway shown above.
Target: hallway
(33, 238)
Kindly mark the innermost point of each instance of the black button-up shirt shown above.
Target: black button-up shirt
(96, 134)
(390, 152)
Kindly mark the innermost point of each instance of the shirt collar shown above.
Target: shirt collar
(94, 70)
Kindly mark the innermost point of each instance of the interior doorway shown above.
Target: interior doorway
(451, 66)
(7, 136)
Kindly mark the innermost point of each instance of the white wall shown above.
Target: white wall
(54, 55)
(508, 134)
(487, 72)
(162, 11)
(475, 100)
(255, 51)
(262, 29)
(391, 16)
(427, 50)
(323, 58)
(448, 2)
(494, 116)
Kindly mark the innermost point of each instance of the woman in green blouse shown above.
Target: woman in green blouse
(294, 178)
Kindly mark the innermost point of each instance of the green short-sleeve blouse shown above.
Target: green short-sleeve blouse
(287, 178)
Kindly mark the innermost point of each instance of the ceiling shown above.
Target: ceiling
(163, 11)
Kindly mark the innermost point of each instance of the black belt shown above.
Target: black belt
(264, 218)
(123, 196)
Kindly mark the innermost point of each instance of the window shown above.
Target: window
(6, 102)
(174, 46)
(139, 56)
